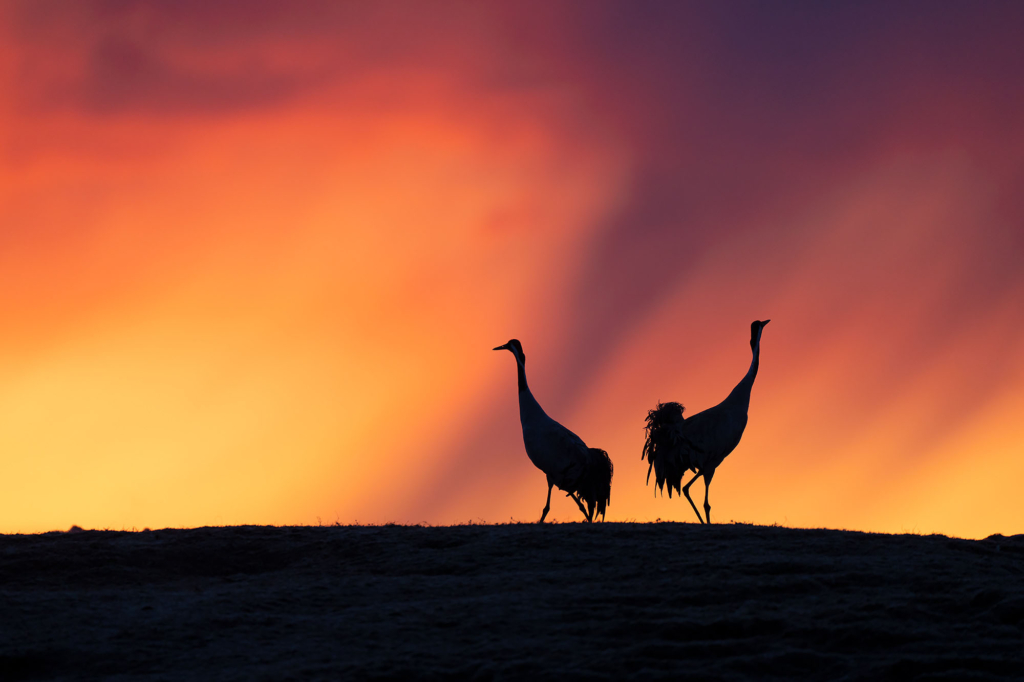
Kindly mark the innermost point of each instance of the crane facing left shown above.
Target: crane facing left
(584, 473)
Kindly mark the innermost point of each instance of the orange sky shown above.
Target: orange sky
(253, 259)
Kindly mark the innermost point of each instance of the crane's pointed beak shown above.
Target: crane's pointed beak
(505, 347)
(765, 322)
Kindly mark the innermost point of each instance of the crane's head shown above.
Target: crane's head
(755, 332)
(517, 350)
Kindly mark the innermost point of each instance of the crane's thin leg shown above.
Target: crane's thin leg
(707, 485)
(576, 499)
(686, 491)
(547, 505)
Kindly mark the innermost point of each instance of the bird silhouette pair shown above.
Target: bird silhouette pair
(674, 444)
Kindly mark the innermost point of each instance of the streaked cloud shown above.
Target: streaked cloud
(253, 256)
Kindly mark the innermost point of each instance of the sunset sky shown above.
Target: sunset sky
(254, 257)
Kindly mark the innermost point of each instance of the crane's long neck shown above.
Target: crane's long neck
(528, 405)
(740, 396)
(522, 377)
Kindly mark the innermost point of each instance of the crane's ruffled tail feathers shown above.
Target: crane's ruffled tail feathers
(595, 487)
(664, 447)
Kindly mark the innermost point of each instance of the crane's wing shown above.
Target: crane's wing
(571, 441)
(573, 454)
(588, 472)
(709, 436)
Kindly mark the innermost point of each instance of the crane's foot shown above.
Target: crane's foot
(707, 493)
(547, 505)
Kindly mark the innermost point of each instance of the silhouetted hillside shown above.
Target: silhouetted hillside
(574, 601)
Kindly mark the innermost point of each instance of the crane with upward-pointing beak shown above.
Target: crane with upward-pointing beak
(699, 443)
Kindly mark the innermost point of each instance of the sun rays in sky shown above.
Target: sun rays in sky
(253, 257)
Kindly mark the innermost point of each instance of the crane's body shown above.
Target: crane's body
(552, 448)
(584, 473)
(699, 443)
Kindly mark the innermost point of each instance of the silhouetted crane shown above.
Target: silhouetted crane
(585, 474)
(699, 443)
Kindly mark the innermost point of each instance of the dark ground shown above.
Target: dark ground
(608, 601)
